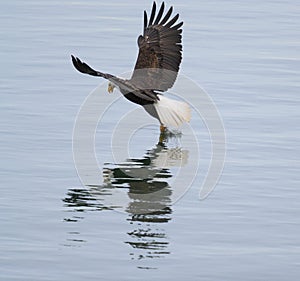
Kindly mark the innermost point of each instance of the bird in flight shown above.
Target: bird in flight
(155, 71)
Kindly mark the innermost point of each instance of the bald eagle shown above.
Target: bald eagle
(156, 69)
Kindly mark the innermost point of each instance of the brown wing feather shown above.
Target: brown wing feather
(160, 50)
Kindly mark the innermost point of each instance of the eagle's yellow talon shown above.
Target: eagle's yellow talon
(162, 128)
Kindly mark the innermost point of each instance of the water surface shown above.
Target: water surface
(245, 55)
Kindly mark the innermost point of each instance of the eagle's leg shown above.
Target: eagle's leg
(162, 136)
(162, 129)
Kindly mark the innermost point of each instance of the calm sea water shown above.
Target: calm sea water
(244, 54)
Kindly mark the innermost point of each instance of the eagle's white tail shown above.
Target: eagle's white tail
(172, 112)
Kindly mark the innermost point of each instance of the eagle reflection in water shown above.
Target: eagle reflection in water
(146, 181)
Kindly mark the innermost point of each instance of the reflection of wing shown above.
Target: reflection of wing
(173, 157)
(159, 51)
(155, 164)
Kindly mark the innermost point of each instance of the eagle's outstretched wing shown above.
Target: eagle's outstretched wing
(84, 68)
(159, 51)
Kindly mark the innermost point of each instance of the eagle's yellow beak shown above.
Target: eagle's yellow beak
(110, 88)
